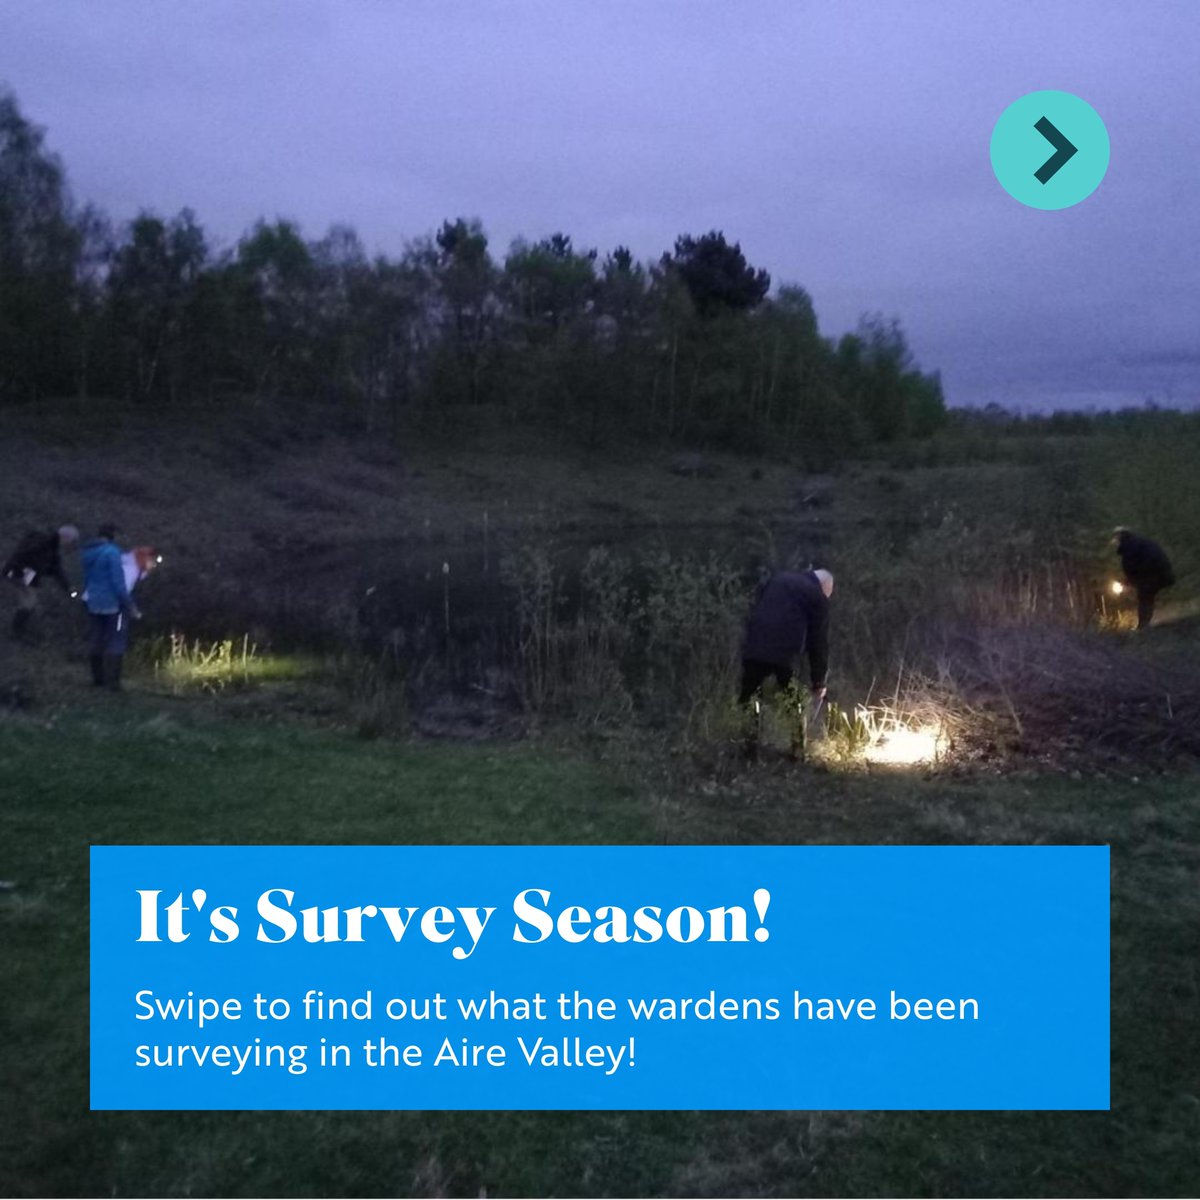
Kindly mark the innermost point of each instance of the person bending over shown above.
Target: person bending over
(790, 618)
(1147, 570)
(38, 556)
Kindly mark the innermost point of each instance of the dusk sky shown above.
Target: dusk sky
(844, 144)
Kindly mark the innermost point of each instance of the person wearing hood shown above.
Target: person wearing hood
(110, 607)
(38, 556)
(790, 617)
(1147, 569)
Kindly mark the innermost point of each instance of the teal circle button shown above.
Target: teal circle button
(1050, 149)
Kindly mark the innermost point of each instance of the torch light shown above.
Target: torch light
(906, 747)
(1116, 587)
(898, 740)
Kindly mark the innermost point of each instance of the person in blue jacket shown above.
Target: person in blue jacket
(110, 607)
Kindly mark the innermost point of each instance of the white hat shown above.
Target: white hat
(825, 580)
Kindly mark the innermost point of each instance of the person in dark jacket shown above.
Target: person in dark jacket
(38, 556)
(110, 607)
(790, 617)
(1147, 570)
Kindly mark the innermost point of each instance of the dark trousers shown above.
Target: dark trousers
(109, 633)
(26, 607)
(756, 673)
(109, 640)
(1146, 598)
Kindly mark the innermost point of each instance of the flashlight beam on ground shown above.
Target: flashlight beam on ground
(905, 747)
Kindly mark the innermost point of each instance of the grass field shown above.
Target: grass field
(144, 769)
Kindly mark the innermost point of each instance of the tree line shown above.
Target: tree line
(693, 346)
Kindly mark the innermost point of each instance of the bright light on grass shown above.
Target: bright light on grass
(904, 746)
(1116, 587)
(884, 734)
(214, 666)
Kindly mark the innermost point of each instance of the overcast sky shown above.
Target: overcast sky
(844, 144)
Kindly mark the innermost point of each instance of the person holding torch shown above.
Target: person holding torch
(1146, 567)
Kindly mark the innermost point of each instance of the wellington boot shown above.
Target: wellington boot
(112, 672)
(20, 624)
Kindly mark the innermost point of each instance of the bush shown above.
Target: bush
(654, 637)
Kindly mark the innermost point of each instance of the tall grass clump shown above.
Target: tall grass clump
(531, 574)
(196, 665)
(694, 612)
(617, 638)
(602, 639)
(374, 688)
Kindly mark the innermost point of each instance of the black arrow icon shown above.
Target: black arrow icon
(1063, 151)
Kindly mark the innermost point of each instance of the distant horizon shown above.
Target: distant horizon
(1086, 404)
(1089, 410)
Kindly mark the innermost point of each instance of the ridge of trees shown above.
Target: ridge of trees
(691, 347)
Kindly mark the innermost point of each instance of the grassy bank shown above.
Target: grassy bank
(246, 483)
(146, 769)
